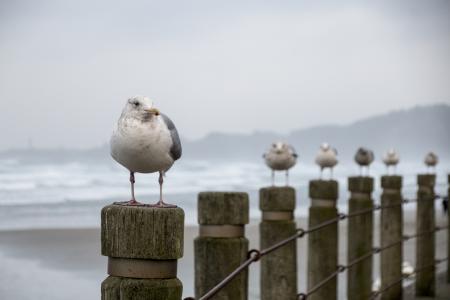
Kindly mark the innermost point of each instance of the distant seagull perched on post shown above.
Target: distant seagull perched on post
(145, 141)
(364, 157)
(280, 157)
(391, 158)
(326, 158)
(431, 160)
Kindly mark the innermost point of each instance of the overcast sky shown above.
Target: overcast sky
(66, 69)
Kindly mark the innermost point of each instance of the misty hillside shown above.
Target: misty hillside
(412, 132)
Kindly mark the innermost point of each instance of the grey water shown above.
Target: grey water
(71, 194)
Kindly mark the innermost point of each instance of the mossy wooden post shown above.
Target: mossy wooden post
(425, 246)
(448, 230)
(142, 245)
(360, 238)
(279, 269)
(391, 232)
(221, 246)
(323, 244)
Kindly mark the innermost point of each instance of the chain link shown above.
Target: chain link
(255, 255)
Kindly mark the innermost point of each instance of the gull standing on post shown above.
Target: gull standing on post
(280, 157)
(364, 157)
(431, 161)
(326, 158)
(145, 141)
(391, 158)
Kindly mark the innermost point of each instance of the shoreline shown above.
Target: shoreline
(73, 254)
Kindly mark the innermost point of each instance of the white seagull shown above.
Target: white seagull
(431, 160)
(364, 157)
(326, 158)
(391, 158)
(145, 141)
(280, 157)
(407, 268)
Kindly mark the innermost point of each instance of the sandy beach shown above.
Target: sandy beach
(66, 263)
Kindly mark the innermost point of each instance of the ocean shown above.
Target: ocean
(71, 194)
(65, 199)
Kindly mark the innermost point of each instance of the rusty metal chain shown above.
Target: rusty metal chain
(339, 269)
(342, 268)
(417, 270)
(255, 255)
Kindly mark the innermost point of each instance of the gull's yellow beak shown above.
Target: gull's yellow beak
(153, 111)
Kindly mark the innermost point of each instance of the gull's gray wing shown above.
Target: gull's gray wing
(293, 152)
(175, 150)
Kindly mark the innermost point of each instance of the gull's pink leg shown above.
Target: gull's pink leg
(161, 203)
(133, 199)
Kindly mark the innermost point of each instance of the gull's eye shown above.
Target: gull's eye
(136, 104)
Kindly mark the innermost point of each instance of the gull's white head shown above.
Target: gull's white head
(431, 159)
(325, 146)
(391, 152)
(140, 107)
(278, 147)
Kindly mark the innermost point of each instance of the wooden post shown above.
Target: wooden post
(323, 244)
(391, 232)
(221, 246)
(142, 245)
(360, 238)
(448, 230)
(425, 247)
(279, 269)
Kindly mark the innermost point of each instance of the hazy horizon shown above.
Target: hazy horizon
(67, 69)
(30, 145)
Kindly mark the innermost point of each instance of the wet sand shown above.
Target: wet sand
(66, 263)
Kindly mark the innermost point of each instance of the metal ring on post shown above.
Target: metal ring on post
(300, 232)
(254, 254)
(142, 268)
(221, 231)
(277, 215)
(356, 195)
(323, 202)
(301, 296)
(390, 190)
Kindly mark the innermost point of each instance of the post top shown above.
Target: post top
(426, 179)
(360, 184)
(223, 208)
(277, 198)
(391, 182)
(142, 232)
(323, 189)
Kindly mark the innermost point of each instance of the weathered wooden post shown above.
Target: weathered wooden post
(360, 238)
(142, 245)
(323, 244)
(391, 232)
(448, 230)
(425, 247)
(221, 245)
(279, 269)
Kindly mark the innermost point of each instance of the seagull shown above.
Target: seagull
(391, 158)
(364, 157)
(407, 269)
(431, 161)
(326, 158)
(376, 285)
(280, 157)
(145, 141)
